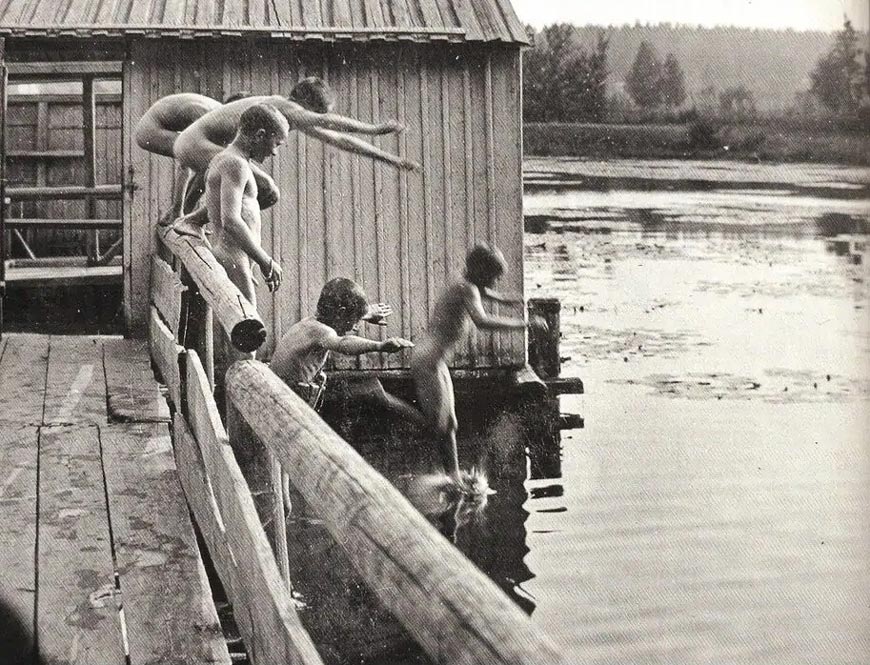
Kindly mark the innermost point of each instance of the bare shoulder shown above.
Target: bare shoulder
(229, 163)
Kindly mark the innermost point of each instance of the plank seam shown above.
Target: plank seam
(119, 592)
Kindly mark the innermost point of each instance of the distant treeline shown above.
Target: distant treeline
(773, 65)
(744, 70)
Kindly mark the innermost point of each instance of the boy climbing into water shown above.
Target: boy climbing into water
(302, 352)
(461, 302)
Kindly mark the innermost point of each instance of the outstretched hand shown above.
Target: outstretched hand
(273, 275)
(377, 313)
(395, 344)
(390, 127)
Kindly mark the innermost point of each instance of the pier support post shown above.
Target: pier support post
(544, 344)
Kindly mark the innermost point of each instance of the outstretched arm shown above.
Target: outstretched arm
(360, 147)
(301, 118)
(351, 345)
(491, 294)
(484, 321)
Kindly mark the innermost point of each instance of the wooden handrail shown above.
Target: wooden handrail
(237, 316)
(455, 612)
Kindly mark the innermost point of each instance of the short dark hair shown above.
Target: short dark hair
(314, 94)
(484, 264)
(341, 301)
(236, 96)
(262, 116)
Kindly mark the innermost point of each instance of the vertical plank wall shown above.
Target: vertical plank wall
(401, 235)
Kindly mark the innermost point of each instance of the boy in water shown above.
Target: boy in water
(231, 199)
(303, 350)
(308, 109)
(460, 303)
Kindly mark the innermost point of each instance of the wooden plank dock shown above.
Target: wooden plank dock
(97, 551)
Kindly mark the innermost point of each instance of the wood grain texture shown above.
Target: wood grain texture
(264, 610)
(235, 313)
(76, 388)
(165, 352)
(166, 290)
(454, 611)
(169, 611)
(77, 611)
(133, 393)
(23, 371)
(18, 461)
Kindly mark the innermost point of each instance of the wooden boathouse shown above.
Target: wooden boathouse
(116, 493)
(448, 69)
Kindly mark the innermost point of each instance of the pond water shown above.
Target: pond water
(715, 507)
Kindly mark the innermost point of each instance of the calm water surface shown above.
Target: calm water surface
(715, 507)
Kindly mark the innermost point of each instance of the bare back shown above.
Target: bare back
(220, 125)
(301, 353)
(177, 112)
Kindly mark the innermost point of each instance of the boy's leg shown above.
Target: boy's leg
(373, 389)
(435, 391)
(155, 139)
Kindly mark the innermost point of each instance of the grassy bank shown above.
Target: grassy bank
(765, 141)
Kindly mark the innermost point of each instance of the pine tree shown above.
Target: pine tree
(643, 81)
(672, 86)
(837, 79)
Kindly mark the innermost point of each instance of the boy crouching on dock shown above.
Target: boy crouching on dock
(302, 352)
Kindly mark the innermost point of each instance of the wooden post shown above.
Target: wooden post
(89, 124)
(544, 344)
(3, 80)
(455, 612)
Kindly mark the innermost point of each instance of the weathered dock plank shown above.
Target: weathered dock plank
(18, 454)
(167, 599)
(22, 378)
(75, 391)
(133, 394)
(77, 614)
(265, 613)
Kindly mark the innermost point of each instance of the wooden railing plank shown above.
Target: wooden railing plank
(200, 498)
(455, 612)
(53, 193)
(165, 351)
(166, 290)
(265, 613)
(235, 313)
(147, 511)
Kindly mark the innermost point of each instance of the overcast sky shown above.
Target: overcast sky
(797, 14)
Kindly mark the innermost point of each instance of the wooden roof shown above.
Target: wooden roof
(324, 20)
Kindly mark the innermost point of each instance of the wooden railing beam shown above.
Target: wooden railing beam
(235, 313)
(456, 613)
